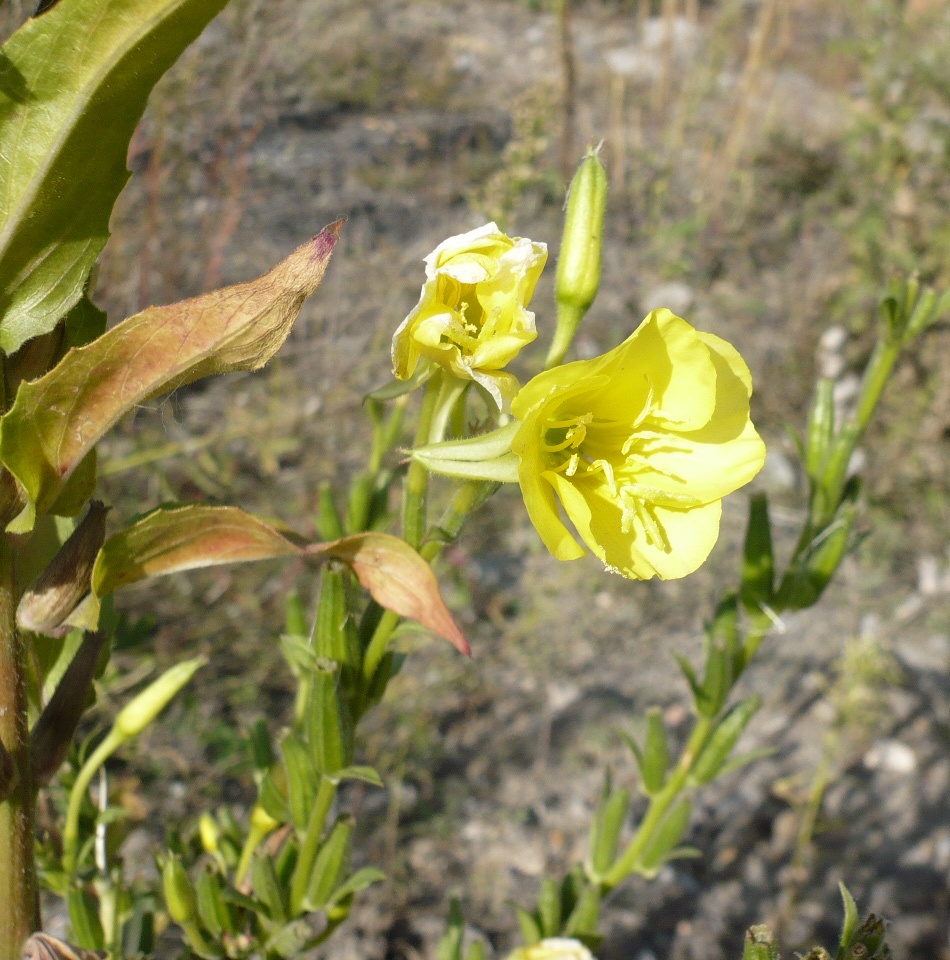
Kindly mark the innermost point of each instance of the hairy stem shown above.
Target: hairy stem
(19, 913)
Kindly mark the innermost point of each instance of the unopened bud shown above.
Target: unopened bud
(210, 833)
(138, 714)
(578, 265)
(179, 893)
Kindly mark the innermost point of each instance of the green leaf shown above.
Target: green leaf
(295, 617)
(301, 779)
(850, 925)
(272, 799)
(606, 826)
(363, 773)
(656, 754)
(667, 835)
(530, 929)
(83, 915)
(712, 760)
(334, 634)
(212, 907)
(450, 946)
(290, 940)
(758, 562)
(73, 85)
(331, 862)
(549, 907)
(56, 420)
(821, 429)
(330, 727)
(363, 878)
(266, 887)
(584, 916)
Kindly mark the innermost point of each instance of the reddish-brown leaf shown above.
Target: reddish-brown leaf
(398, 579)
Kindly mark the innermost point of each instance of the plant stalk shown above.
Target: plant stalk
(660, 803)
(19, 903)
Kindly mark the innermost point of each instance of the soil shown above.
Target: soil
(415, 120)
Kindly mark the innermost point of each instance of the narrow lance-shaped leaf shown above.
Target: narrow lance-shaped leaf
(73, 85)
(173, 539)
(56, 420)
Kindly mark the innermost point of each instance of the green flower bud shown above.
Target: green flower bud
(578, 266)
(210, 833)
(179, 893)
(760, 944)
(138, 714)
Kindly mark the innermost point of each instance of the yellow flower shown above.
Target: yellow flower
(639, 446)
(554, 948)
(471, 318)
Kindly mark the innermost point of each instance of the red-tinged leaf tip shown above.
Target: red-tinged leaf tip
(325, 240)
(398, 579)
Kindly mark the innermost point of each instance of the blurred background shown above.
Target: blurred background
(771, 165)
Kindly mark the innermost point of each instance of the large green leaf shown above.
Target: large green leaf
(56, 420)
(73, 85)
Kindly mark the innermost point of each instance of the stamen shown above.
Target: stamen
(651, 464)
(608, 469)
(574, 438)
(556, 424)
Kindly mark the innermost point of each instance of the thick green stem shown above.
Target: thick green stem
(19, 905)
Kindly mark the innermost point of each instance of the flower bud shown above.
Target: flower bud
(210, 834)
(472, 318)
(760, 944)
(578, 266)
(138, 714)
(179, 893)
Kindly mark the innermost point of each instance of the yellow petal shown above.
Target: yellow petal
(723, 455)
(663, 354)
(687, 536)
(539, 496)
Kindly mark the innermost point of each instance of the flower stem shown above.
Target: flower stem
(19, 914)
(310, 844)
(88, 770)
(376, 649)
(876, 375)
(417, 478)
(660, 803)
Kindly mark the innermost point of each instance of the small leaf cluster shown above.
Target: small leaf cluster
(860, 940)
